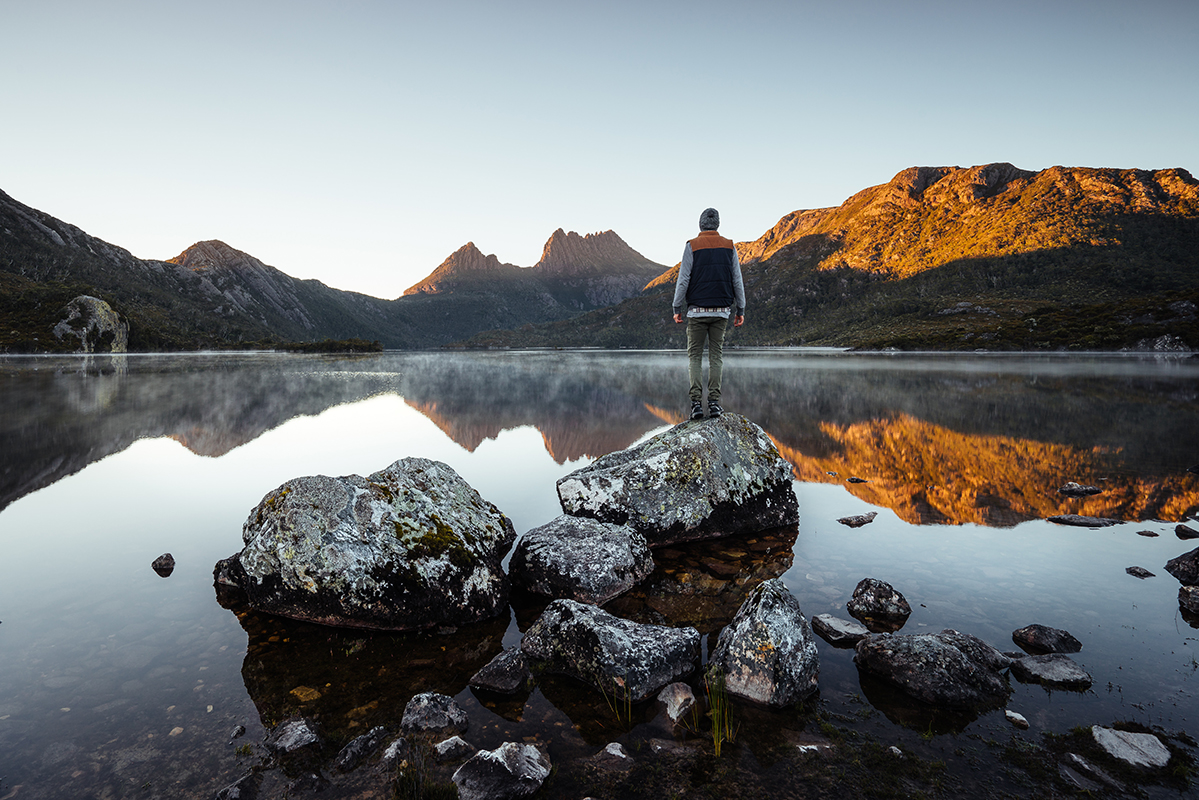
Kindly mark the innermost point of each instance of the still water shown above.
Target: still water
(115, 682)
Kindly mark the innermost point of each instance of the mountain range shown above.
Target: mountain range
(990, 257)
(213, 295)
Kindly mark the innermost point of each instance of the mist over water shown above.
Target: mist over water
(112, 677)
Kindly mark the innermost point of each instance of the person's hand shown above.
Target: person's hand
(738, 320)
(678, 317)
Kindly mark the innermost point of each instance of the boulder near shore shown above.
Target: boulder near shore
(412, 546)
(702, 479)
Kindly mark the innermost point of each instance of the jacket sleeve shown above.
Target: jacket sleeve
(680, 288)
(738, 286)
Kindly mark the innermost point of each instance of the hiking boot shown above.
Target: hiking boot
(697, 410)
(714, 409)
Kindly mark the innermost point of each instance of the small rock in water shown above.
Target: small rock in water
(856, 479)
(1139, 572)
(294, 735)
(1084, 522)
(1194, 469)
(679, 701)
(1185, 532)
(359, 749)
(1039, 639)
(895, 751)
(879, 606)
(511, 770)
(238, 732)
(454, 748)
(1087, 768)
(507, 673)
(164, 565)
(1185, 567)
(1073, 489)
(1138, 749)
(1148, 534)
(859, 520)
(1018, 720)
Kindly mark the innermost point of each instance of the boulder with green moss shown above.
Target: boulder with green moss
(701, 479)
(412, 546)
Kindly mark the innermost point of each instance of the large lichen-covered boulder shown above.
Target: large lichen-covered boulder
(948, 669)
(92, 321)
(409, 547)
(701, 479)
(581, 559)
(767, 653)
(620, 657)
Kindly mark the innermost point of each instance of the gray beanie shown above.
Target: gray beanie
(709, 220)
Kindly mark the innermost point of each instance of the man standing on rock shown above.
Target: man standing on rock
(710, 285)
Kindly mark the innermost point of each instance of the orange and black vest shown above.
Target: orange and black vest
(711, 283)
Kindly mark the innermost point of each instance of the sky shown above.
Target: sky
(360, 143)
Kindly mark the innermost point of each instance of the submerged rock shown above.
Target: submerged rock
(1051, 669)
(767, 653)
(878, 606)
(1138, 749)
(1040, 639)
(619, 657)
(1185, 567)
(949, 669)
(839, 632)
(701, 479)
(511, 770)
(580, 559)
(411, 546)
(507, 673)
(1079, 521)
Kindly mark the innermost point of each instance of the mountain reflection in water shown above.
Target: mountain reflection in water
(984, 440)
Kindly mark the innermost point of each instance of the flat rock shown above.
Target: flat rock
(1084, 522)
(1139, 572)
(702, 479)
(431, 712)
(878, 606)
(507, 673)
(580, 559)
(1051, 669)
(767, 654)
(409, 547)
(1072, 489)
(1148, 534)
(1039, 639)
(1185, 568)
(937, 668)
(839, 632)
(1185, 532)
(858, 520)
(619, 657)
(1138, 749)
(511, 770)
(1188, 598)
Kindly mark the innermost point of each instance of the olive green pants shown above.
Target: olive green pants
(711, 330)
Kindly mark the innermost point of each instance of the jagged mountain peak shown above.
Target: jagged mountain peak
(467, 263)
(212, 253)
(568, 253)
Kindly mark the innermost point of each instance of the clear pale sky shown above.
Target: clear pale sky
(362, 142)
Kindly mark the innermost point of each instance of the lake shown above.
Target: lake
(116, 682)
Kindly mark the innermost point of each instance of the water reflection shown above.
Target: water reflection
(985, 441)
